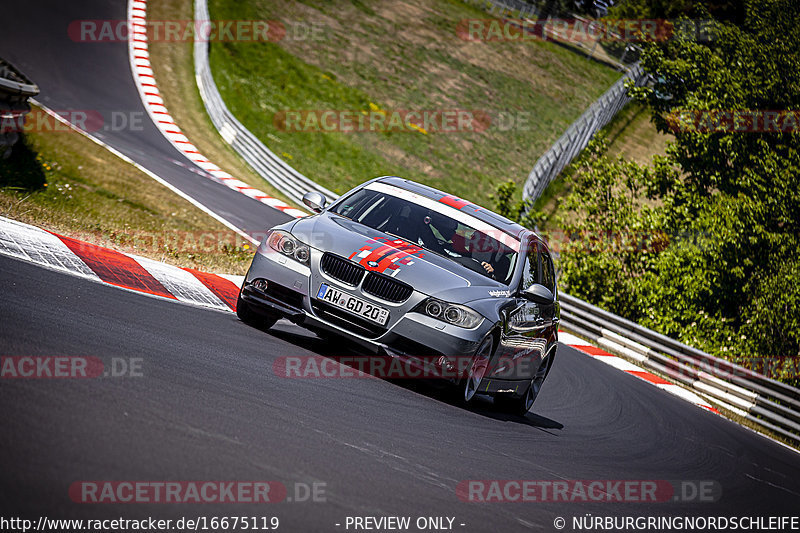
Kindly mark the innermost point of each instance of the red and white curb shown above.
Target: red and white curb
(625, 366)
(108, 266)
(154, 104)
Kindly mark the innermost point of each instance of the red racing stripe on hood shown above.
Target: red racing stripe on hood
(388, 255)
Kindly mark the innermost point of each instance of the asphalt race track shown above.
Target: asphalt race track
(96, 77)
(209, 406)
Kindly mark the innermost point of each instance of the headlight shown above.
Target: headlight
(288, 245)
(454, 314)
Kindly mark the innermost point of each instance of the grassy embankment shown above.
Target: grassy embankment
(630, 135)
(401, 56)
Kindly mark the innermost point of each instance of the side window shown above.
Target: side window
(548, 272)
(355, 205)
(530, 272)
(538, 268)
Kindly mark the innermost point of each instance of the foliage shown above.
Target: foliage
(719, 216)
(507, 205)
(529, 90)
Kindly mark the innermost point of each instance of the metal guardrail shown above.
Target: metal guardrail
(579, 133)
(268, 165)
(292, 183)
(762, 400)
(14, 84)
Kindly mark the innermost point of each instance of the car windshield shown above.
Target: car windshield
(433, 230)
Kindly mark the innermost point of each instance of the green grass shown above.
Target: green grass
(632, 135)
(66, 183)
(401, 56)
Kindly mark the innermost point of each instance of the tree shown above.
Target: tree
(720, 214)
(738, 192)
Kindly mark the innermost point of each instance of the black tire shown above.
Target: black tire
(514, 405)
(471, 380)
(250, 317)
(520, 405)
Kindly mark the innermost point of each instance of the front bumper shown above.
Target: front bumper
(291, 293)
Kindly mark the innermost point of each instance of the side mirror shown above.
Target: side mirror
(315, 201)
(539, 294)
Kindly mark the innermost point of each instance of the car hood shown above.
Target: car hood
(376, 251)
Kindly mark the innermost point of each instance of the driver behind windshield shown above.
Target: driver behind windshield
(431, 229)
(440, 234)
(490, 254)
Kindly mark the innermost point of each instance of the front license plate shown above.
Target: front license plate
(350, 303)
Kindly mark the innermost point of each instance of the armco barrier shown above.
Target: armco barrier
(764, 401)
(271, 167)
(293, 184)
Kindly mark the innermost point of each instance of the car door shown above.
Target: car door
(527, 326)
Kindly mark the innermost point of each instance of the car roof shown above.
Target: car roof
(481, 213)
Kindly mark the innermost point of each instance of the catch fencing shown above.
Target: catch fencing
(579, 133)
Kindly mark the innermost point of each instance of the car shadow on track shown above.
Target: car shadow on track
(484, 405)
(333, 348)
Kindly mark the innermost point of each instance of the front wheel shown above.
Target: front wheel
(250, 317)
(519, 405)
(471, 381)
